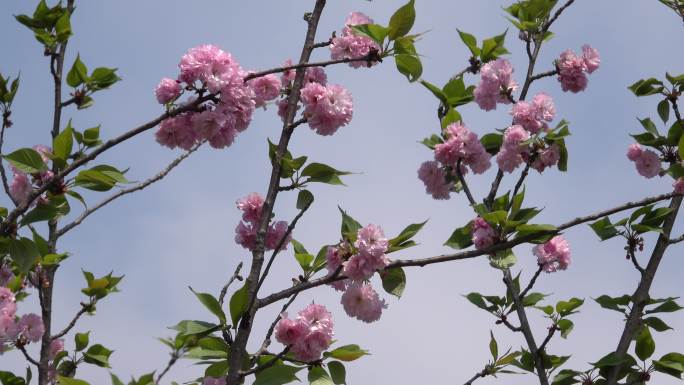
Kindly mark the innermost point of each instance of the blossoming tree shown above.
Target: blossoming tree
(212, 100)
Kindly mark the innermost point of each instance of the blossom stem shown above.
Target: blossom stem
(464, 184)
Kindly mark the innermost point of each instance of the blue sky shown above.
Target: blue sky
(180, 231)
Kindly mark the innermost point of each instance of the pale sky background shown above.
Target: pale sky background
(180, 232)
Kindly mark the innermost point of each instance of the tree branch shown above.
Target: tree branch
(224, 290)
(267, 365)
(371, 57)
(129, 190)
(27, 356)
(526, 330)
(466, 254)
(464, 184)
(84, 309)
(481, 374)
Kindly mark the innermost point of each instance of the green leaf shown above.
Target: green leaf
(27, 160)
(646, 87)
(347, 353)
(304, 199)
(671, 363)
(374, 31)
(492, 142)
(103, 78)
(604, 229)
(62, 146)
(461, 237)
(546, 232)
(57, 206)
(478, 300)
(668, 306)
(70, 381)
(97, 355)
(439, 94)
(503, 259)
(470, 41)
(217, 369)
(493, 346)
(409, 66)
(532, 299)
(81, 340)
(649, 126)
(24, 253)
(349, 226)
(238, 304)
(565, 326)
(401, 240)
(91, 136)
(63, 27)
(611, 303)
(432, 141)
(565, 308)
(277, 375)
(611, 359)
(645, 346)
(657, 324)
(337, 372)
(674, 133)
(402, 20)
(78, 74)
(493, 47)
(664, 110)
(452, 116)
(188, 327)
(318, 376)
(318, 172)
(394, 281)
(212, 304)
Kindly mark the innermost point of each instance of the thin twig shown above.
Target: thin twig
(556, 15)
(28, 357)
(523, 175)
(532, 281)
(543, 75)
(525, 326)
(224, 290)
(367, 58)
(636, 264)
(129, 190)
(266, 365)
(495, 187)
(22, 208)
(481, 374)
(510, 325)
(542, 347)
(464, 184)
(269, 333)
(676, 240)
(172, 361)
(84, 309)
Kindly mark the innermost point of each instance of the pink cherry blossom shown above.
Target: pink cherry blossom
(288, 75)
(548, 157)
(205, 63)
(511, 154)
(167, 90)
(534, 115)
(31, 327)
(21, 187)
(483, 233)
(591, 58)
(553, 255)
(572, 69)
(177, 131)
(245, 235)
(8, 329)
(464, 145)
(355, 18)
(333, 262)
(44, 152)
(349, 45)
(56, 346)
(634, 151)
(289, 332)
(362, 302)
(434, 179)
(275, 234)
(647, 162)
(678, 186)
(326, 108)
(371, 240)
(266, 88)
(251, 207)
(495, 82)
(309, 334)
(315, 75)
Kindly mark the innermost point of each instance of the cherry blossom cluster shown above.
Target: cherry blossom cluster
(553, 255)
(350, 45)
(496, 84)
(360, 300)
(573, 69)
(647, 162)
(246, 230)
(534, 116)
(461, 146)
(309, 334)
(208, 68)
(483, 233)
(15, 330)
